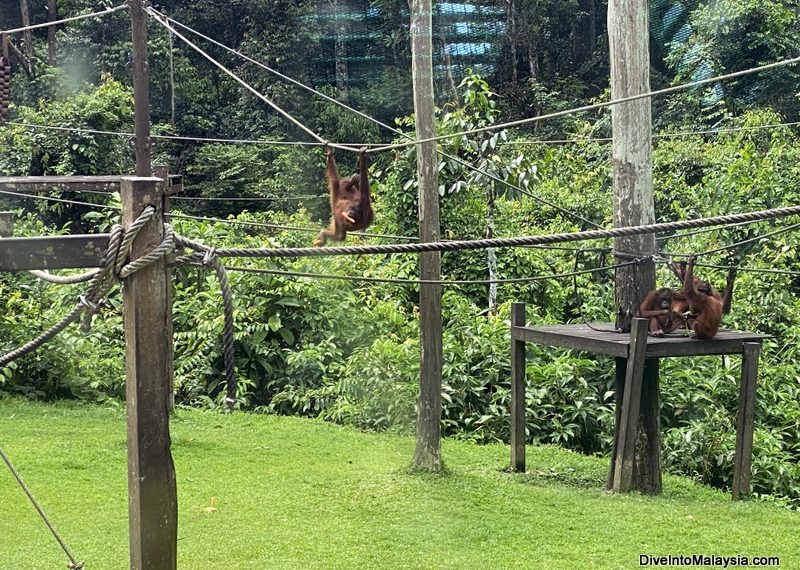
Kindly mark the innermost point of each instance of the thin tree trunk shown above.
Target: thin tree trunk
(511, 23)
(52, 15)
(171, 79)
(428, 450)
(27, 35)
(340, 49)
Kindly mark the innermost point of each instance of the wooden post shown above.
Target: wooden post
(518, 419)
(745, 416)
(621, 365)
(647, 453)
(427, 453)
(627, 430)
(6, 224)
(631, 125)
(632, 160)
(141, 88)
(152, 490)
(162, 172)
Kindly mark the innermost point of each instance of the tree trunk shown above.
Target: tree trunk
(52, 15)
(428, 451)
(27, 35)
(511, 24)
(340, 50)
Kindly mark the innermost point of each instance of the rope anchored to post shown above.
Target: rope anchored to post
(210, 258)
(114, 268)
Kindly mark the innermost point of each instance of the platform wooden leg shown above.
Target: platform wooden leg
(631, 400)
(518, 419)
(621, 365)
(744, 421)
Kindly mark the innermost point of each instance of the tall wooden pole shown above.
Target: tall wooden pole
(152, 490)
(141, 88)
(634, 205)
(631, 125)
(428, 451)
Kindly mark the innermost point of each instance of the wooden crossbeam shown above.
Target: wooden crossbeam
(59, 183)
(59, 252)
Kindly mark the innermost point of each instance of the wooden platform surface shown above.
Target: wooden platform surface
(606, 340)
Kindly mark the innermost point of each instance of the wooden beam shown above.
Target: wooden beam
(152, 490)
(6, 224)
(745, 416)
(59, 183)
(625, 432)
(60, 252)
(620, 365)
(518, 419)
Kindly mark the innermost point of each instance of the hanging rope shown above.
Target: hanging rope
(211, 259)
(501, 242)
(113, 268)
(73, 563)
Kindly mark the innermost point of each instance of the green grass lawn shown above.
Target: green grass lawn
(266, 492)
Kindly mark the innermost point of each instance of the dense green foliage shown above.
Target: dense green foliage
(348, 351)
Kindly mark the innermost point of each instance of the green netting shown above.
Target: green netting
(359, 38)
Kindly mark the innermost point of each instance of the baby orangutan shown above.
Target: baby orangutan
(659, 305)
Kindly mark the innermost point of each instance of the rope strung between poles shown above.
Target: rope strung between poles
(593, 107)
(735, 244)
(73, 562)
(211, 259)
(457, 282)
(168, 137)
(113, 269)
(66, 20)
(500, 242)
(379, 123)
(64, 279)
(155, 15)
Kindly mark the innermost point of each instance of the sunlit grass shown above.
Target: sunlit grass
(273, 492)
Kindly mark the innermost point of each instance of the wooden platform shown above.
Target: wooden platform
(637, 393)
(606, 340)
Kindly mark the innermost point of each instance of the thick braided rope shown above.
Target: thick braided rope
(146, 215)
(166, 246)
(502, 242)
(119, 245)
(64, 279)
(209, 257)
(91, 298)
